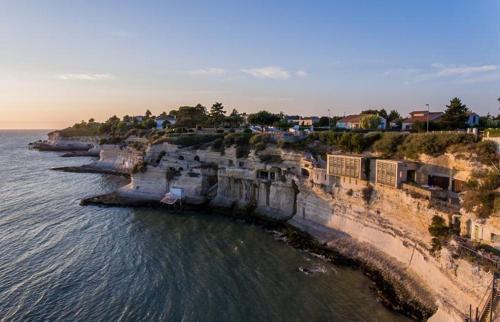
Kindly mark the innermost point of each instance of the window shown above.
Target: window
(263, 175)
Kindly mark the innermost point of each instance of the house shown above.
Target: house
(308, 121)
(350, 122)
(162, 122)
(472, 119)
(484, 231)
(420, 116)
(347, 168)
(434, 182)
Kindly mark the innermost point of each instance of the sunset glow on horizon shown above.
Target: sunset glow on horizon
(63, 62)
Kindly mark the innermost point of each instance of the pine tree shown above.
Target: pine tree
(455, 115)
(216, 114)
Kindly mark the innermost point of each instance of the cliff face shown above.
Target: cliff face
(77, 143)
(388, 232)
(395, 226)
(117, 158)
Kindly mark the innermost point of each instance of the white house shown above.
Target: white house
(167, 121)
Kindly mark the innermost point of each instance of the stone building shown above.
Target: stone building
(347, 169)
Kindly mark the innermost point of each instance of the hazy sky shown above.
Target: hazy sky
(64, 61)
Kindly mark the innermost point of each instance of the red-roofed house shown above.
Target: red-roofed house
(419, 116)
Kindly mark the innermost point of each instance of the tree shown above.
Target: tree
(282, 124)
(324, 121)
(455, 116)
(421, 126)
(393, 116)
(91, 120)
(440, 233)
(148, 114)
(263, 118)
(149, 123)
(235, 119)
(191, 116)
(370, 121)
(216, 115)
(109, 126)
(382, 112)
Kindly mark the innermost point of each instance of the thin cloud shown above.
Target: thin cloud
(401, 71)
(456, 73)
(86, 77)
(212, 71)
(462, 70)
(490, 77)
(269, 72)
(301, 73)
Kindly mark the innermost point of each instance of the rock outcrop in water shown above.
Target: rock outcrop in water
(387, 233)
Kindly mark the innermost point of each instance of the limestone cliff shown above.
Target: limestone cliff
(388, 231)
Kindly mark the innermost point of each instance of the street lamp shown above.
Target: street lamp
(428, 111)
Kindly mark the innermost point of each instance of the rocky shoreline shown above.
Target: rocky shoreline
(74, 154)
(391, 290)
(91, 169)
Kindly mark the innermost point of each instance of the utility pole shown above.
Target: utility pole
(428, 111)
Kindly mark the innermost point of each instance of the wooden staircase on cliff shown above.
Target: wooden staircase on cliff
(488, 307)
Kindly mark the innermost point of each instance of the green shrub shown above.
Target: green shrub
(261, 139)
(433, 144)
(483, 151)
(389, 143)
(346, 141)
(366, 194)
(440, 233)
(481, 196)
(189, 140)
(112, 140)
(493, 132)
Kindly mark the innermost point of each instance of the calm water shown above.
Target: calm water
(61, 261)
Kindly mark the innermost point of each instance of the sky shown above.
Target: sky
(66, 61)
